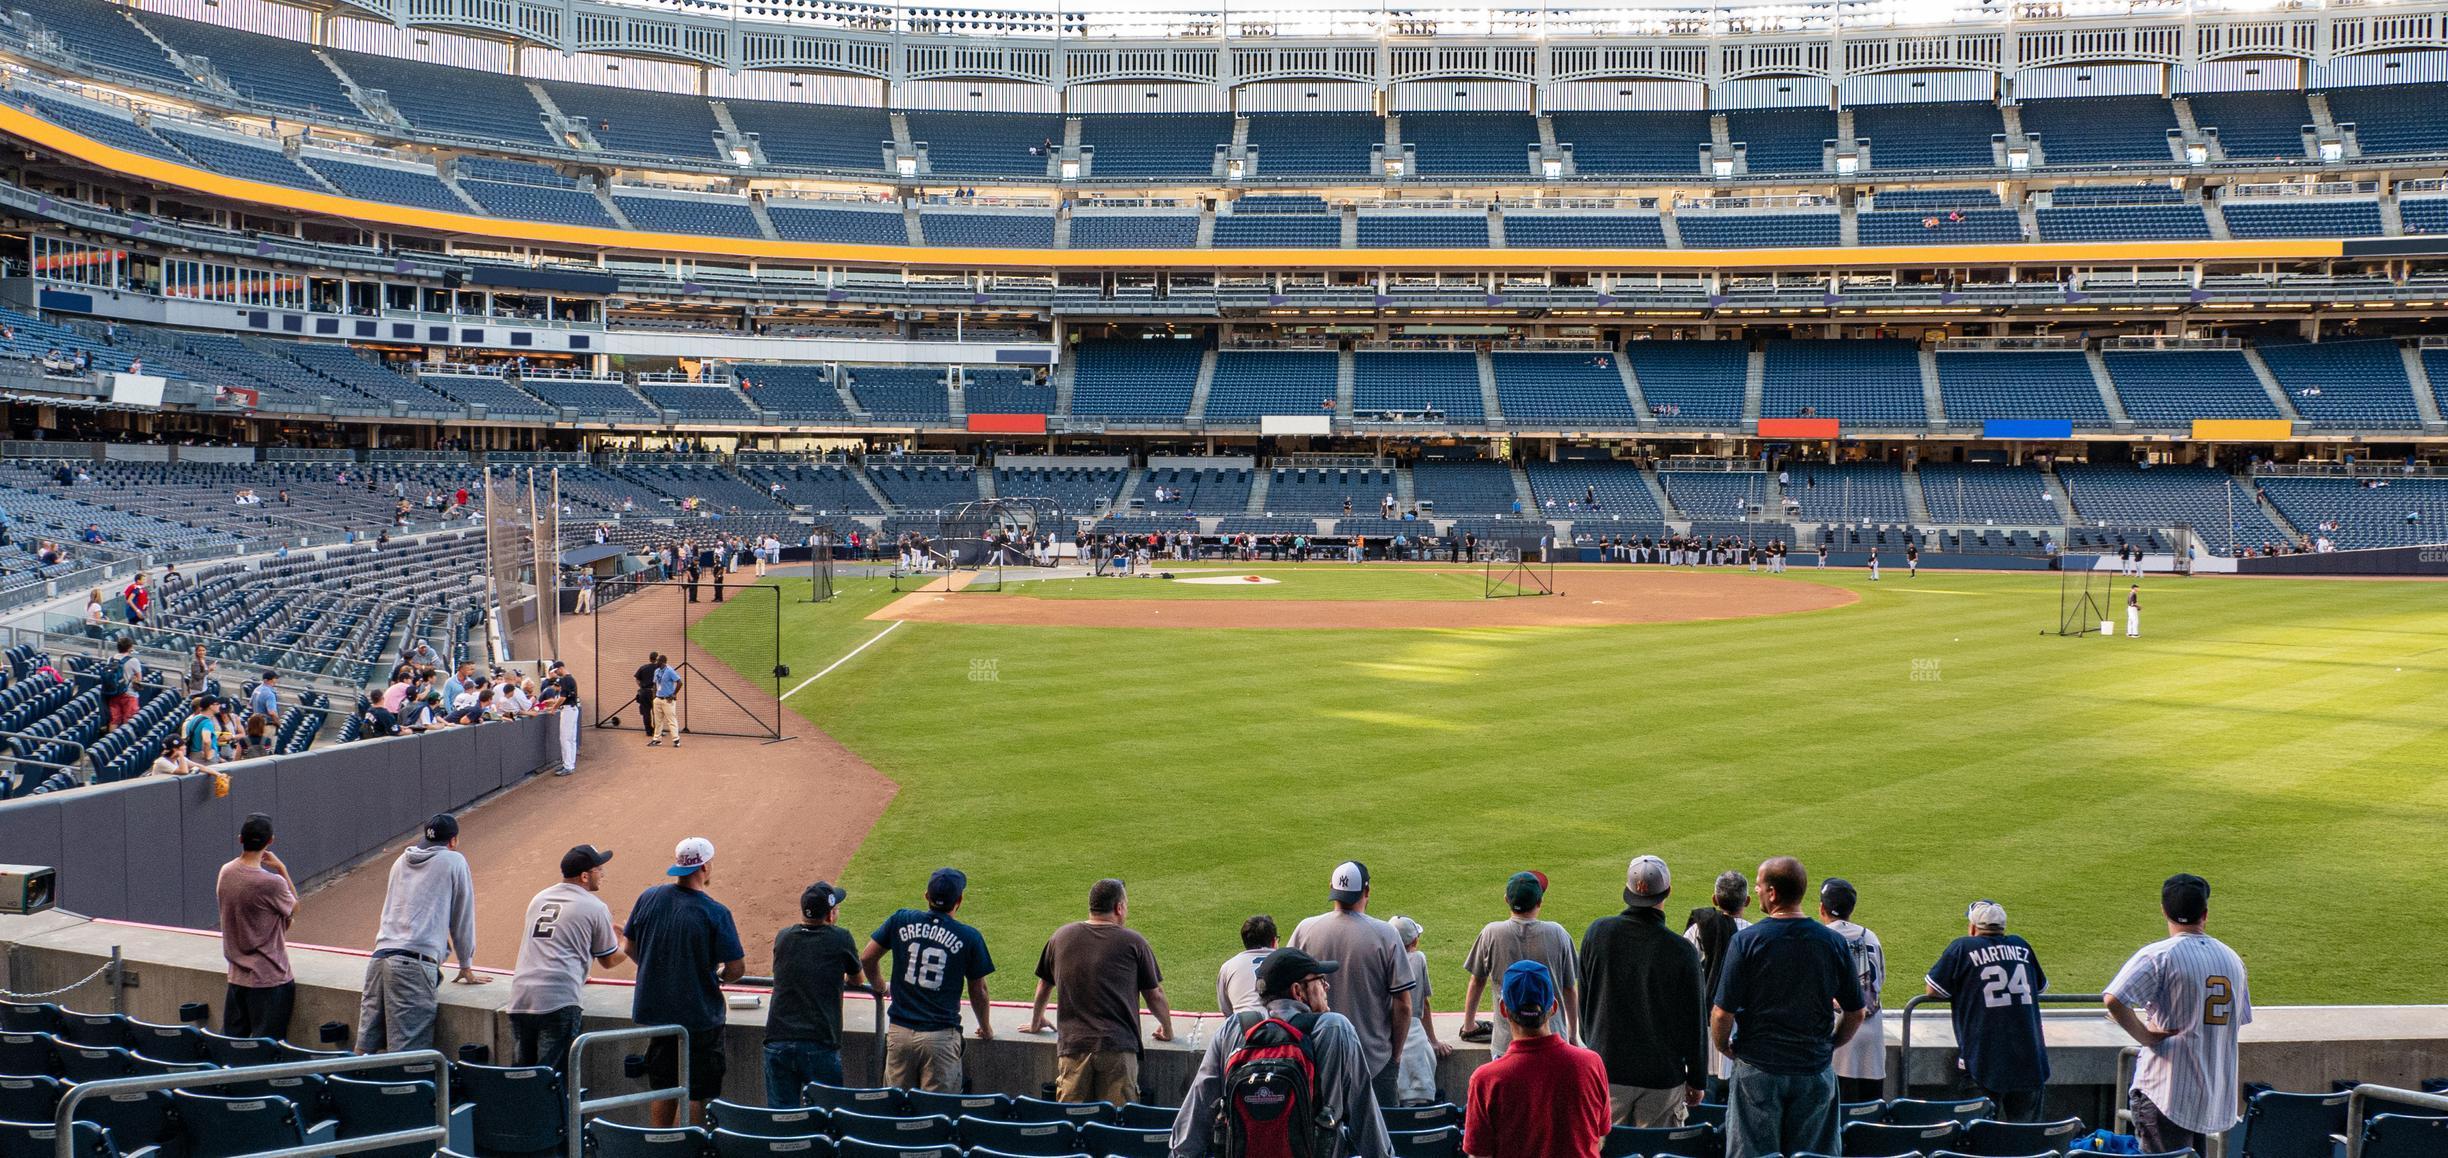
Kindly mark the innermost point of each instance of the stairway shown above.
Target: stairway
(1521, 490)
(612, 208)
(1848, 227)
(1205, 384)
(1206, 226)
(957, 400)
(1130, 486)
(2392, 222)
(909, 221)
(764, 222)
(2012, 115)
(1344, 375)
(1932, 399)
(570, 130)
(850, 402)
(1548, 147)
(1350, 237)
(902, 146)
(2107, 390)
(1672, 229)
(2426, 402)
(985, 478)
(2059, 497)
(732, 138)
(1405, 492)
(1657, 490)
(1487, 389)
(1755, 377)
(2325, 123)
(1062, 225)
(2217, 219)
(2192, 129)
(875, 495)
(2267, 508)
(1916, 503)
(1632, 388)
(1262, 482)
(450, 181)
(2269, 382)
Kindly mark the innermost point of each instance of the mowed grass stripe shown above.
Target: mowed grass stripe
(2262, 733)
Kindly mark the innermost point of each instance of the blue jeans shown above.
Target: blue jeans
(1780, 1113)
(543, 1039)
(791, 1065)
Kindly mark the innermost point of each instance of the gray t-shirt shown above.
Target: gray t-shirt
(1375, 968)
(567, 930)
(1504, 942)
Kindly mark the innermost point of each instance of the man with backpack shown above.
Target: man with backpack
(120, 675)
(1286, 1081)
(1711, 930)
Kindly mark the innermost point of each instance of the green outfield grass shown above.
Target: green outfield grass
(1310, 581)
(2282, 738)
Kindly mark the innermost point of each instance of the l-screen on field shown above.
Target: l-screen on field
(1932, 739)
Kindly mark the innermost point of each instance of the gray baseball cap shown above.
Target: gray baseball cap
(1646, 883)
(1986, 915)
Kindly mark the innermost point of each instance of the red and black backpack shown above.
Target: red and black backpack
(1270, 1107)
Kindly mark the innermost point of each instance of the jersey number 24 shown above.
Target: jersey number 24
(2003, 985)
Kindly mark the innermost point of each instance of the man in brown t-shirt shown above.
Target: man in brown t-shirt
(1103, 969)
(257, 901)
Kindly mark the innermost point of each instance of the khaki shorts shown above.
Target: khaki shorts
(1105, 1076)
(1646, 1108)
(923, 1059)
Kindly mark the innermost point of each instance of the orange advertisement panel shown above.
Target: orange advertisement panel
(1007, 424)
(1797, 428)
(2242, 430)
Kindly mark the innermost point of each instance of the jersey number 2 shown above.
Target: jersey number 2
(2003, 985)
(2218, 999)
(546, 916)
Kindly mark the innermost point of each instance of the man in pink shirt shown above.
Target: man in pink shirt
(257, 901)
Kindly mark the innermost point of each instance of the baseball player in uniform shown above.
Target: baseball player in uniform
(2133, 611)
(1874, 564)
(2183, 1000)
(1992, 981)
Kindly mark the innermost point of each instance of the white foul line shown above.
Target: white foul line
(803, 684)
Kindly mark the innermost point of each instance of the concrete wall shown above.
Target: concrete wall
(147, 849)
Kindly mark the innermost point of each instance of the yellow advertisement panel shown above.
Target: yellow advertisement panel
(2242, 430)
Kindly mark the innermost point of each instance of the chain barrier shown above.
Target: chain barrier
(97, 974)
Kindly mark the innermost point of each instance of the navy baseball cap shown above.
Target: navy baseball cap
(821, 898)
(1838, 897)
(442, 829)
(946, 886)
(582, 858)
(1528, 988)
(1281, 969)
(2185, 898)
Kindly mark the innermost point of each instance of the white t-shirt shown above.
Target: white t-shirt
(1866, 1055)
(1237, 981)
(2190, 987)
(567, 929)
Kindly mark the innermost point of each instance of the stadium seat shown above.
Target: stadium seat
(1023, 1138)
(237, 1052)
(1686, 1141)
(1705, 1114)
(2405, 1136)
(1850, 1112)
(109, 1029)
(2278, 1123)
(613, 1140)
(2185, 1153)
(1142, 1116)
(25, 1053)
(1420, 1117)
(28, 1017)
(766, 1121)
(363, 1109)
(1919, 1112)
(919, 1130)
(1880, 1140)
(862, 1148)
(41, 1140)
(518, 1108)
(1108, 1141)
(878, 1100)
(2012, 1139)
(222, 1127)
(728, 1144)
(29, 1097)
(995, 1107)
(90, 1063)
(1442, 1142)
(1076, 1113)
(170, 1043)
(135, 1120)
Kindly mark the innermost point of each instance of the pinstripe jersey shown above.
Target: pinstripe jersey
(2190, 987)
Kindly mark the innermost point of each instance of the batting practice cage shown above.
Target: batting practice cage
(990, 536)
(1514, 563)
(522, 528)
(728, 654)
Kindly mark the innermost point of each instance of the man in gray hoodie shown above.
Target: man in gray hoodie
(429, 914)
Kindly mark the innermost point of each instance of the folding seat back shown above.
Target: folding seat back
(1442, 1142)
(1076, 1113)
(2405, 1136)
(1882, 1140)
(1684, 1141)
(913, 1130)
(519, 1109)
(613, 1140)
(1018, 1138)
(2010, 1139)
(865, 1100)
(1920, 1112)
(1396, 1117)
(219, 1127)
(364, 1109)
(1110, 1141)
(955, 1106)
(767, 1121)
(2277, 1123)
(135, 1120)
(30, 1098)
(41, 1140)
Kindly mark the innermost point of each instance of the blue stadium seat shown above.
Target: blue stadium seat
(1081, 1114)
(1134, 379)
(1930, 135)
(2171, 388)
(827, 137)
(2405, 1136)
(964, 144)
(862, 1148)
(1384, 380)
(224, 1127)
(1314, 144)
(2277, 1123)
(1633, 142)
(708, 215)
(363, 1109)
(1421, 1117)
(1921, 1112)
(730, 1145)
(1020, 230)
(1532, 229)
(1987, 385)
(640, 122)
(1018, 1138)
(41, 1140)
(1787, 140)
(1754, 230)
(2392, 118)
(2302, 217)
(1133, 230)
(29, 1097)
(2345, 385)
(1880, 1140)
(992, 1107)
(518, 1108)
(2253, 125)
(1471, 144)
(2101, 130)
(807, 221)
(2011, 1139)
(1250, 384)
(1691, 385)
(1441, 1142)
(607, 1139)
(913, 1130)
(767, 1121)
(1654, 1142)
(1423, 230)
(1574, 390)
(1154, 144)
(1108, 1141)
(1860, 382)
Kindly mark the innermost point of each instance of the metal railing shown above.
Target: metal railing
(2358, 1122)
(1897, 1079)
(580, 1105)
(436, 1135)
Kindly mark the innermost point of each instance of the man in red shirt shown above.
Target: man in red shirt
(1546, 1097)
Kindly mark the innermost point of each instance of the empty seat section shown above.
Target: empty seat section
(815, 136)
(523, 202)
(1119, 230)
(608, 399)
(2296, 217)
(103, 34)
(900, 393)
(1409, 382)
(1144, 380)
(272, 70)
(107, 127)
(1533, 230)
(924, 488)
(2170, 496)
(640, 122)
(2101, 130)
(1719, 495)
(2345, 385)
(1465, 488)
(2393, 118)
(985, 144)
(1874, 383)
(2171, 388)
(1315, 144)
(1939, 226)
(1155, 144)
(1573, 390)
(1250, 384)
(1423, 230)
(1563, 490)
(1809, 228)
(1327, 491)
(686, 403)
(794, 393)
(394, 184)
(1782, 140)
(2252, 126)
(1973, 493)
(1691, 385)
(1242, 229)
(803, 221)
(2357, 513)
(461, 102)
(715, 216)
(2120, 222)
(1633, 141)
(1848, 493)
(1077, 490)
(2043, 385)
(2423, 214)
(988, 391)
(496, 396)
(1202, 490)
(1471, 144)
(1937, 135)
(1001, 230)
(232, 157)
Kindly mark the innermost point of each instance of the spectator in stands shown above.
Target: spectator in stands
(1237, 980)
(1375, 993)
(569, 930)
(173, 760)
(265, 700)
(667, 684)
(202, 731)
(1999, 1044)
(1422, 1050)
(1644, 1005)
(257, 901)
(120, 677)
(813, 962)
(461, 682)
(428, 915)
(260, 731)
(1780, 979)
(1861, 1066)
(93, 613)
(1293, 986)
(1103, 968)
(686, 948)
(922, 1048)
(2183, 1000)
(1546, 1096)
(1521, 936)
(139, 600)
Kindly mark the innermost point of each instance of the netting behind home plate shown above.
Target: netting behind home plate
(522, 536)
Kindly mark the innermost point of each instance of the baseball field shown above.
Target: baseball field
(1930, 739)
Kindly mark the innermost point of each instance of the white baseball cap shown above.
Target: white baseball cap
(1986, 915)
(1349, 882)
(694, 853)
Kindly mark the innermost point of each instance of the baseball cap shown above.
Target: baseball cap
(2185, 898)
(1838, 897)
(1986, 915)
(582, 858)
(1282, 969)
(1528, 988)
(1646, 882)
(270, 674)
(441, 829)
(946, 885)
(692, 854)
(1350, 880)
(820, 898)
(1407, 929)
(1525, 891)
(555, 665)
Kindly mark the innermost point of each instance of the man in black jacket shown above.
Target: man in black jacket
(646, 691)
(1643, 1006)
